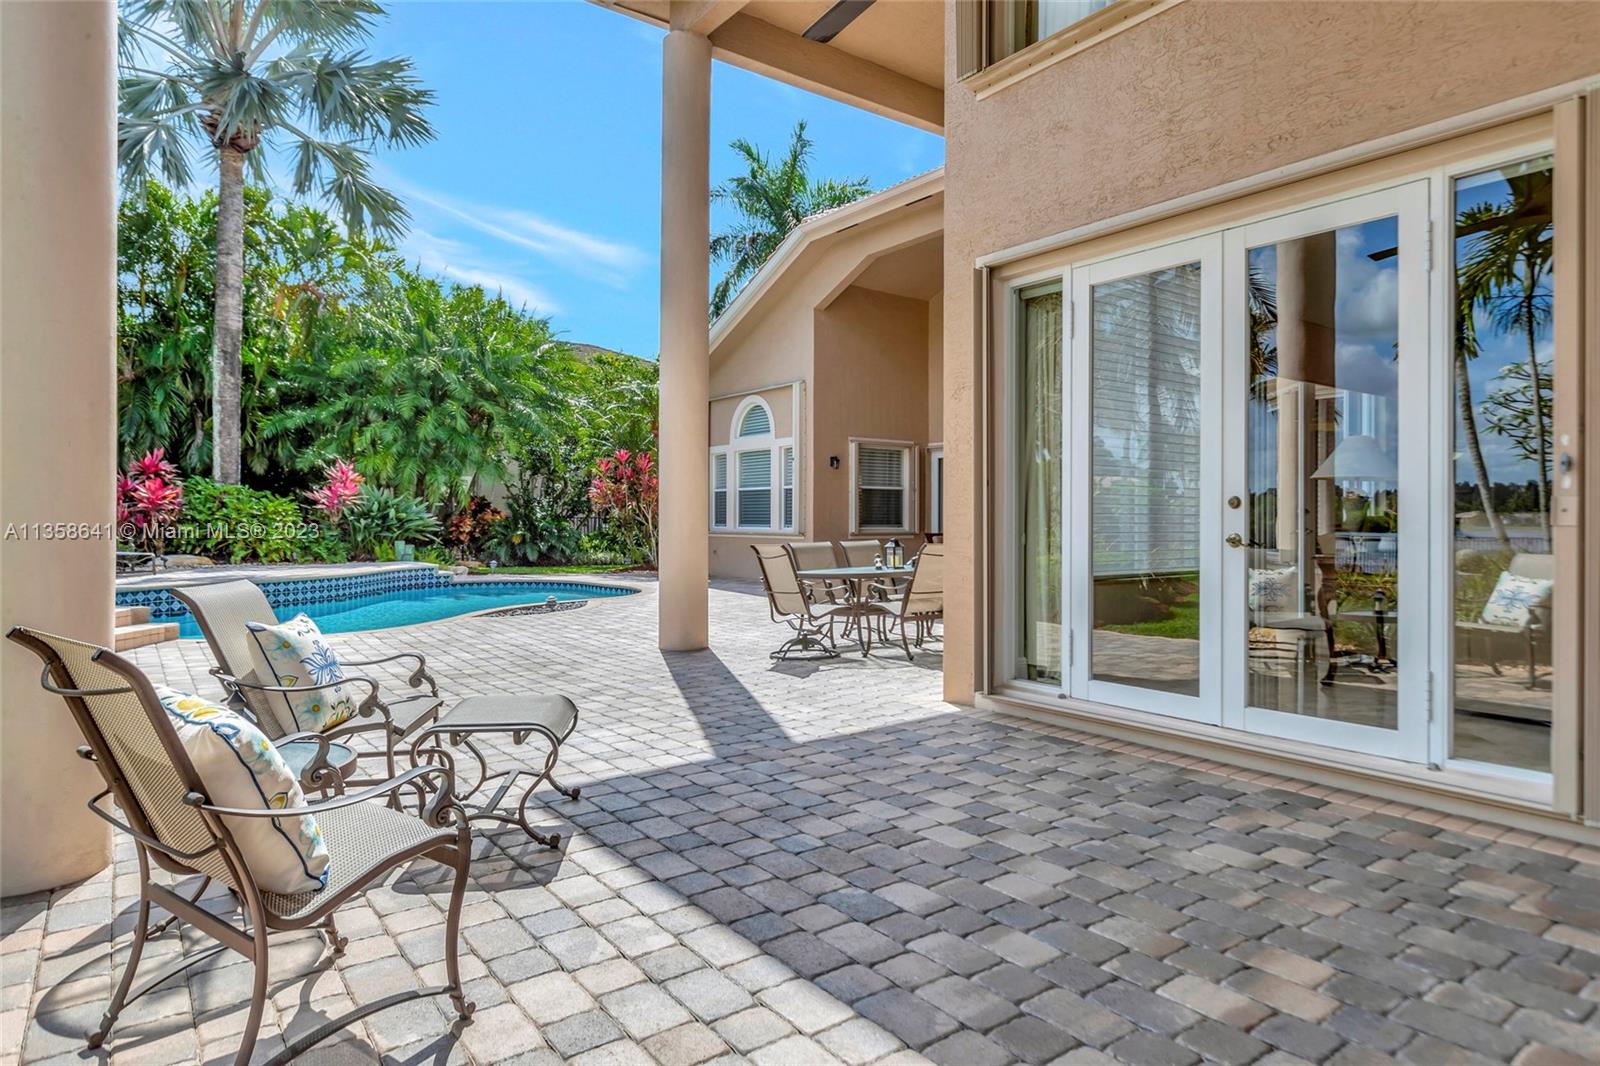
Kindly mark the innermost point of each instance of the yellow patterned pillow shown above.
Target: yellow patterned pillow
(239, 767)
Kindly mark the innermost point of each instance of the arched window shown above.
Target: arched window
(755, 422)
(753, 476)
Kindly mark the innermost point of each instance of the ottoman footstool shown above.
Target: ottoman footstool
(551, 718)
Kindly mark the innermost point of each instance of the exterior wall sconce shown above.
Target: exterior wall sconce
(833, 462)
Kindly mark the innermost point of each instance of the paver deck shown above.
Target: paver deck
(819, 862)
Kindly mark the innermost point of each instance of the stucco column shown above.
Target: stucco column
(58, 248)
(685, 338)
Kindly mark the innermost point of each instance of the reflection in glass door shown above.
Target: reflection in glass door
(1145, 494)
(1328, 539)
(1501, 545)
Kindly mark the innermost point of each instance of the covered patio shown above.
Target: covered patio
(808, 863)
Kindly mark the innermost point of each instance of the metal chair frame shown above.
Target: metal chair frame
(428, 732)
(450, 844)
(806, 612)
(318, 773)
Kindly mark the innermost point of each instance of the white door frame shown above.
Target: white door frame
(1077, 499)
(1409, 741)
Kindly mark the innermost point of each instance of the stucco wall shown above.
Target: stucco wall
(872, 382)
(1204, 93)
(780, 399)
(777, 341)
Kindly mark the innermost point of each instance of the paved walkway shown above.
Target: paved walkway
(805, 863)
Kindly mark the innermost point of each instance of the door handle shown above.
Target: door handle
(1234, 540)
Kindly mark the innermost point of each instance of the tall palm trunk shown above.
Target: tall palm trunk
(228, 321)
(1541, 423)
(1480, 469)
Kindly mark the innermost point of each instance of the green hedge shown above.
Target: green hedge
(242, 525)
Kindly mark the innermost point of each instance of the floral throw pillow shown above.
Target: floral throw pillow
(1512, 599)
(239, 767)
(294, 655)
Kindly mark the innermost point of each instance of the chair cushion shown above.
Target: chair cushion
(239, 767)
(1512, 599)
(295, 654)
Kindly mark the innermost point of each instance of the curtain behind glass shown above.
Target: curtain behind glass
(1039, 489)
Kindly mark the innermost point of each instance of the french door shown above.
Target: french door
(1326, 475)
(1246, 477)
(1145, 462)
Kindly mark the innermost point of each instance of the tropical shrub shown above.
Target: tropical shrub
(342, 488)
(430, 385)
(601, 549)
(537, 525)
(241, 524)
(625, 492)
(469, 529)
(149, 499)
(379, 517)
(538, 534)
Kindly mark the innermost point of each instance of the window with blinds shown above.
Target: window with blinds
(788, 488)
(757, 422)
(719, 490)
(882, 486)
(755, 489)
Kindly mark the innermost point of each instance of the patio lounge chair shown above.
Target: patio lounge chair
(153, 782)
(412, 721)
(919, 600)
(791, 602)
(223, 608)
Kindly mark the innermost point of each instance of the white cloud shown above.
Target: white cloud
(612, 262)
(461, 262)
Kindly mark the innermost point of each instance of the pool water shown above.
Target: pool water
(404, 607)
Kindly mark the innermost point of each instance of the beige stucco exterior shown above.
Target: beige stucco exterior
(57, 416)
(835, 337)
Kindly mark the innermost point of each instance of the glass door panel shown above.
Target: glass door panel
(1328, 544)
(1503, 562)
(1147, 508)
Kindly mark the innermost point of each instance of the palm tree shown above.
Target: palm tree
(1503, 273)
(228, 75)
(770, 200)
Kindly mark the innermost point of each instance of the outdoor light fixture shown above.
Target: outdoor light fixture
(833, 461)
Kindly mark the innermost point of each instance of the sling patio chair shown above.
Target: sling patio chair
(858, 552)
(412, 721)
(918, 600)
(818, 555)
(166, 809)
(792, 603)
(222, 610)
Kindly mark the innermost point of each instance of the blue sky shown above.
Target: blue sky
(544, 180)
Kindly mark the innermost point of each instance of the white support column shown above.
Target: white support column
(685, 339)
(57, 412)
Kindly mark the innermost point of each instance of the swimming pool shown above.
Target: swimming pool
(342, 605)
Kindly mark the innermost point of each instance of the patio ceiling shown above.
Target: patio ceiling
(888, 59)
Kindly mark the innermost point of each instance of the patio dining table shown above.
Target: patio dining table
(858, 578)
